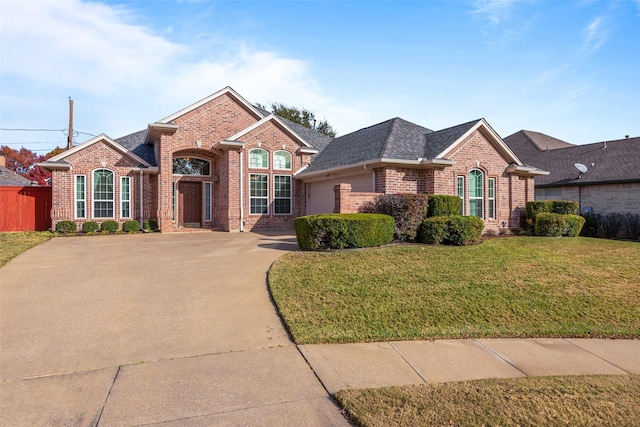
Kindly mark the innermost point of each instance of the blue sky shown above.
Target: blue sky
(570, 69)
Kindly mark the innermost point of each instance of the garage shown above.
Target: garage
(321, 196)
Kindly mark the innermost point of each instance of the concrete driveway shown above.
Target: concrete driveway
(163, 329)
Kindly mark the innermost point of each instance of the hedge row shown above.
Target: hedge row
(337, 231)
(92, 226)
(612, 225)
(562, 207)
(556, 225)
(451, 230)
(410, 210)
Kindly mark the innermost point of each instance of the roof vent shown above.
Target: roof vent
(626, 136)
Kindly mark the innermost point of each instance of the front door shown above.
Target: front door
(190, 204)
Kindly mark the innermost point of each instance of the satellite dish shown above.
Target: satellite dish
(582, 168)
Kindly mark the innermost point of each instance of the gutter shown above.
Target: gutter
(50, 166)
(426, 163)
(526, 170)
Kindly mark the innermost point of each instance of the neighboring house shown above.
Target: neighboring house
(9, 177)
(225, 164)
(610, 184)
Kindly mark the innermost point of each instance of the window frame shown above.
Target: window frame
(266, 158)
(491, 198)
(460, 191)
(97, 200)
(174, 201)
(76, 199)
(122, 199)
(290, 160)
(475, 199)
(276, 197)
(207, 202)
(265, 197)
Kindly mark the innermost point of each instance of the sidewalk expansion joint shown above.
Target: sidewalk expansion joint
(115, 377)
(500, 356)
(407, 362)
(599, 357)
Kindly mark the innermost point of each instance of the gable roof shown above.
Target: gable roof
(607, 161)
(402, 142)
(271, 118)
(11, 178)
(58, 160)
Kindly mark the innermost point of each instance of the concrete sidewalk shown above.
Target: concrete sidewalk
(381, 364)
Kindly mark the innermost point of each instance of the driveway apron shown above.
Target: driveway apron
(174, 329)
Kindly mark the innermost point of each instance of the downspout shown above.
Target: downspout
(141, 201)
(241, 193)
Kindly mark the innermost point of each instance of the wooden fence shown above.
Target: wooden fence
(25, 208)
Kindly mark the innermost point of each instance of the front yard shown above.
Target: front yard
(508, 287)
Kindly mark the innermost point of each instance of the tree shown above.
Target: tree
(301, 116)
(23, 162)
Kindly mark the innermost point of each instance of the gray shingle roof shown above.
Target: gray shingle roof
(134, 142)
(394, 139)
(10, 178)
(613, 161)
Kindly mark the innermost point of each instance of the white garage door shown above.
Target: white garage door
(321, 197)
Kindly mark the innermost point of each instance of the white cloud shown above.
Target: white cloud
(495, 11)
(594, 35)
(127, 75)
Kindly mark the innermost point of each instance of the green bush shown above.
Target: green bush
(535, 207)
(150, 224)
(66, 227)
(408, 212)
(443, 205)
(131, 226)
(556, 225)
(90, 227)
(110, 226)
(336, 231)
(564, 207)
(451, 230)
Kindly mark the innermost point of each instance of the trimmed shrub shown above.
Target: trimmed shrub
(535, 207)
(110, 226)
(591, 225)
(66, 227)
(564, 207)
(557, 225)
(408, 212)
(611, 224)
(433, 230)
(90, 227)
(452, 230)
(150, 224)
(444, 205)
(131, 226)
(337, 231)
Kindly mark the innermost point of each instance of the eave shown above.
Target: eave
(374, 163)
(229, 145)
(526, 171)
(154, 130)
(51, 166)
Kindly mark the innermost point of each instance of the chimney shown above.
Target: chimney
(3, 161)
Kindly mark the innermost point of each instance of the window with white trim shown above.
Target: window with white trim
(476, 193)
(102, 193)
(460, 180)
(80, 196)
(282, 194)
(258, 158)
(174, 205)
(259, 193)
(282, 160)
(125, 197)
(491, 198)
(207, 201)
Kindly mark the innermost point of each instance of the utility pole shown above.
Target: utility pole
(70, 138)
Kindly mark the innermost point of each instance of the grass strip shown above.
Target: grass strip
(533, 401)
(509, 287)
(13, 244)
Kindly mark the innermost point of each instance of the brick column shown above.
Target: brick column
(342, 192)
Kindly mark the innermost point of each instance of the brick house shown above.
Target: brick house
(224, 164)
(611, 183)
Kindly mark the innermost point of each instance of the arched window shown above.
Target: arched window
(258, 158)
(102, 193)
(191, 166)
(476, 193)
(282, 160)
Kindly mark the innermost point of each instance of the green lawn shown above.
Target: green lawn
(13, 244)
(506, 287)
(541, 401)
